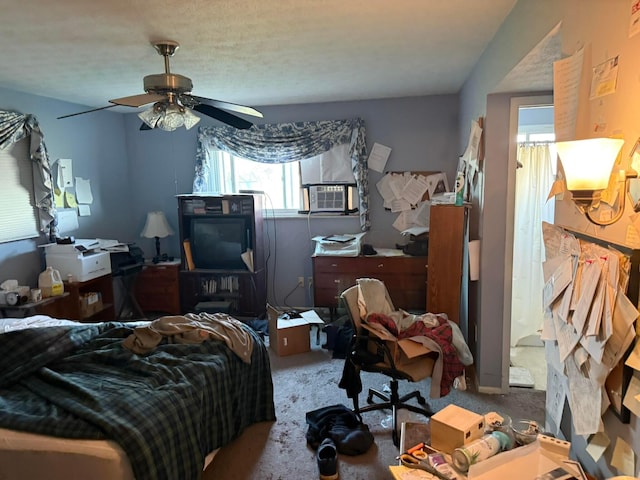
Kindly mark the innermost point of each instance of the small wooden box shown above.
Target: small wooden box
(453, 427)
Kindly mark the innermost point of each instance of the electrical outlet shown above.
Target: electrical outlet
(301, 282)
(310, 281)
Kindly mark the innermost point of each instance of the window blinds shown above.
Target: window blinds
(18, 214)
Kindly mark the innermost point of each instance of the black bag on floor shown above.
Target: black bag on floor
(343, 426)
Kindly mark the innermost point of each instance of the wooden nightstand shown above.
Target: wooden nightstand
(157, 288)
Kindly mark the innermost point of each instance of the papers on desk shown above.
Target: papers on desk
(339, 245)
(588, 324)
(112, 245)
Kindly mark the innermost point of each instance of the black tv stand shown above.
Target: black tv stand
(240, 291)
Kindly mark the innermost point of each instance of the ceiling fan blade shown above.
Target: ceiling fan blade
(227, 106)
(139, 100)
(86, 111)
(226, 117)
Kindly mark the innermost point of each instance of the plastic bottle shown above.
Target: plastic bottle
(460, 189)
(50, 282)
(481, 449)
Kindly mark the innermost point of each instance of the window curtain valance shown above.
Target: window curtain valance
(13, 128)
(289, 142)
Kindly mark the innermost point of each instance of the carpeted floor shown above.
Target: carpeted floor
(306, 382)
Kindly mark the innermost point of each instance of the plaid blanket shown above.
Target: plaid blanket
(167, 409)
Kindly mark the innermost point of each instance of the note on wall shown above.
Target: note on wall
(604, 79)
(633, 360)
(83, 190)
(70, 199)
(623, 458)
(566, 87)
(630, 398)
(67, 220)
(58, 197)
(378, 157)
(597, 445)
(65, 173)
(84, 210)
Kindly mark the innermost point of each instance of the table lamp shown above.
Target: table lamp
(156, 227)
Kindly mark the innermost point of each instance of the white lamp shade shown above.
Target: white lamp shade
(588, 163)
(156, 226)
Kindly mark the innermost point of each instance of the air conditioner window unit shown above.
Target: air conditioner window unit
(337, 198)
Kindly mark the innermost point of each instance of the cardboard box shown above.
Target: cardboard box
(90, 304)
(453, 427)
(290, 336)
(408, 355)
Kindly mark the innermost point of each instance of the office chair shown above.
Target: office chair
(371, 354)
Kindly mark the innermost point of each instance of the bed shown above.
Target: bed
(75, 402)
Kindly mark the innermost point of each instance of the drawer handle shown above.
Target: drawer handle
(380, 265)
(334, 264)
(337, 281)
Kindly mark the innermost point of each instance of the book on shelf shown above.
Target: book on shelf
(187, 254)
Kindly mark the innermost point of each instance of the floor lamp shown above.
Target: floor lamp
(157, 227)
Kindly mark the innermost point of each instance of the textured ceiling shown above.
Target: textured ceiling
(261, 52)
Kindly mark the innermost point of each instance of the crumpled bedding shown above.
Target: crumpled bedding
(192, 328)
(167, 409)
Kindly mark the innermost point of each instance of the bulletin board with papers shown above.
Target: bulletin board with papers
(591, 298)
(410, 194)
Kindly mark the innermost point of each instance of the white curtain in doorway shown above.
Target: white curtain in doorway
(534, 178)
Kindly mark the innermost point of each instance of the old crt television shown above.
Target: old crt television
(217, 243)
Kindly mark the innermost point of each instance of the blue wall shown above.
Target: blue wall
(96, 144)
(422, 132)
(133, 172)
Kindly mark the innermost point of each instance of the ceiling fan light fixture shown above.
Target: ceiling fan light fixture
(170, 95)
(169, 117)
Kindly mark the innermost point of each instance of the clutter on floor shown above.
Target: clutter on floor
(459, 444)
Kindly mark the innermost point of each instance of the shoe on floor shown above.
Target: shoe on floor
(327, 460)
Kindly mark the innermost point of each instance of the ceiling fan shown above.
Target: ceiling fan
(170, 94)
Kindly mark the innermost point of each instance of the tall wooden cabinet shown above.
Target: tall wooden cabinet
(214, 231)
(447, 237)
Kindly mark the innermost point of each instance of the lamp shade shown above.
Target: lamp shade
(156, 226)
(588, 163)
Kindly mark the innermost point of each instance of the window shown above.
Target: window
(281, 182)
(18, 214)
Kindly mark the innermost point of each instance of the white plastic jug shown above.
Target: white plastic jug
(50, 283)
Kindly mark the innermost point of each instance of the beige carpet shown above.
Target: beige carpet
(305, 382)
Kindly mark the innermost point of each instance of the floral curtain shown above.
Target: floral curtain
(289, 142)
(13, 128)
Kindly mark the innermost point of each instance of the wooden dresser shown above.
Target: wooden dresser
(157, 288)
(404, 276)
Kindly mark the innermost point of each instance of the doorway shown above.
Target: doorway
(535, 173)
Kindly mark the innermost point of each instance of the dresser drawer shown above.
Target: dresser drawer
(157, 288)
(405, 278)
